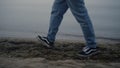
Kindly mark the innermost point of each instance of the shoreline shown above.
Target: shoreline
(76, 39)
(59, 36)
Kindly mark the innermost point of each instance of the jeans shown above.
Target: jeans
(80, 13)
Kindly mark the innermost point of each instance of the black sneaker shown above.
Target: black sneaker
(87, 52)
(45, 41)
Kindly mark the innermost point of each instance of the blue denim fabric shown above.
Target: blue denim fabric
(79, 11)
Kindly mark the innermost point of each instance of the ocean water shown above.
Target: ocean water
(26, 17)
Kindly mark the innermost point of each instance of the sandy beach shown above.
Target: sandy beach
(22, 20)
(27, 53)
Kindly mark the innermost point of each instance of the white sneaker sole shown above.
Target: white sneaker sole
(80, 55)
(44, 43)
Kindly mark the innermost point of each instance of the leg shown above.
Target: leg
(80, 12)
(58, 10)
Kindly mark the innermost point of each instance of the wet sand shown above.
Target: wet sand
(27, 53)
(43, 63)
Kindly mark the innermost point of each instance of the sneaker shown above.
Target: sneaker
(86, 52)
(45, 41)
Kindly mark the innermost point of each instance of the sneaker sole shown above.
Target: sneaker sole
(95, 53)
(44, 44)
